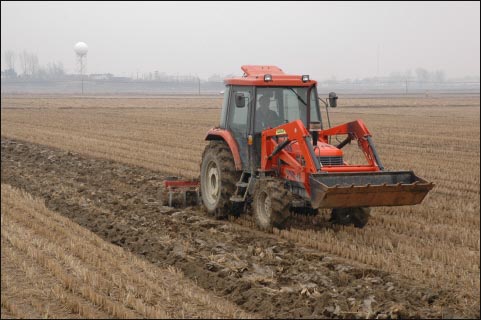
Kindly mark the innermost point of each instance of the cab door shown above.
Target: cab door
(238, 120)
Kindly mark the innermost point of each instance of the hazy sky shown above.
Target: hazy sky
(320, 39)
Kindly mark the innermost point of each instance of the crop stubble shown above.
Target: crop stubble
(436, 243)
(260, 272)
(52, 267)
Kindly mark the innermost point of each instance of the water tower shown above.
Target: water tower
(81, 50)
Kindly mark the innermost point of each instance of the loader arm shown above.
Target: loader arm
(338, 186)
(273, 152)
(276, 140)
(356, 130)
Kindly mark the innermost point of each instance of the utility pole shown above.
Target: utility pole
(198, 79)
(82, 74)
(81, 50)
(406, 86)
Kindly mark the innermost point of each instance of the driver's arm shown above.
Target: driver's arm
(274, 119)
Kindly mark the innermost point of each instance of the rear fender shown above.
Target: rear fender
(222, 134)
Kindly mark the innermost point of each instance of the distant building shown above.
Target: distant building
(101, 76)
(120, 79)
(9, 74)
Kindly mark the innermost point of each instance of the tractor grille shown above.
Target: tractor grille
(331, 161)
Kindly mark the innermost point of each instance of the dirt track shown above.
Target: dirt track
(260, 272)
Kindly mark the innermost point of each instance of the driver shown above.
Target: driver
(265, 117)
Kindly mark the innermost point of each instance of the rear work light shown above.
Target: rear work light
(267, 77)
(305, 78)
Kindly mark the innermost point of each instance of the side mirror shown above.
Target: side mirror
(332, 99)
(240, 100)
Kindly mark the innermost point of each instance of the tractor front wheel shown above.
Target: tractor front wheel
(271, 203)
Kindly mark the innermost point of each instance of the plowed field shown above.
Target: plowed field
(101, 163)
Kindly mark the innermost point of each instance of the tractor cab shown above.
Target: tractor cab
(265, 98)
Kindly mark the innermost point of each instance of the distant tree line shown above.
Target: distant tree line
(419, 74)
(26, 65)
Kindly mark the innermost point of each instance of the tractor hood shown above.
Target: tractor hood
(322, 150)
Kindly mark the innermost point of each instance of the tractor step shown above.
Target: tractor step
(242, 188)
(242, 184)
(237, 199)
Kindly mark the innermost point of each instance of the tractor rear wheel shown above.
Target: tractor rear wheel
(271, 203)
(357, 216)
(218, 177)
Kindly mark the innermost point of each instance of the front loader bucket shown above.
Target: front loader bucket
(367, 189)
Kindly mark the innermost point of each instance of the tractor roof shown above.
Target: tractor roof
(254, 76)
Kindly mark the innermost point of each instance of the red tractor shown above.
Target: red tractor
(272, 152)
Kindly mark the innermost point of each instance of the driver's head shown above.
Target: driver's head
(264, 102)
